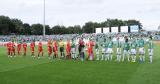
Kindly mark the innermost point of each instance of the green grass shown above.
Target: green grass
(27, 70)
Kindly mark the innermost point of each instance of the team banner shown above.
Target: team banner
(124, 29)
(106, 30)
(114, 29)
(134, 28)
(98, 30)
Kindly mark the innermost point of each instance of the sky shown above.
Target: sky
(78, 12)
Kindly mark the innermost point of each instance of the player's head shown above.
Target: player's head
(126, 40)
(151, 37)
(97, 39)
(104, 39)
(125, 37)
(24, 40)
(33, 40)
(90, 39)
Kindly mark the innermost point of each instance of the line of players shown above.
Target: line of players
(129, 49)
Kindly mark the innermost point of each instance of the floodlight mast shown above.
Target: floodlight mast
(44, 14)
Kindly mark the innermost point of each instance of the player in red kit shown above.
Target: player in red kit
(12, 49)
(9, 49)
(32, 46)
(55, 48)
(49, 49)
(68, 49)
(40, 49)
(19, 48)
(90, 50)
(24, 48)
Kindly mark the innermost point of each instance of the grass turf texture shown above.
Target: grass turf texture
(27, 70)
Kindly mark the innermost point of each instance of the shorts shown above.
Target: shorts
(110, 50)
(103, 50)
(118, 51)
(49, 49)
(61, 49)
(73, 50)
(97, 51)
(133, 51)
(126, 52)
(141, 51)
(32, 49)
(150, 52)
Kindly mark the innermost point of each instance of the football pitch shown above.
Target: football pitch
(28, 70)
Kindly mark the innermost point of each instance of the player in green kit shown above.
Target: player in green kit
(150, 49)
(110, 49)
(97, 49)
(73, 49)
(103, 48)
(126, 48)
(133, 49)
(141, 49)
(118, 44)
(106, 50)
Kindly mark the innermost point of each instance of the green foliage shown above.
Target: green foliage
(16, 26)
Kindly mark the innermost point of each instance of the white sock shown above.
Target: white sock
(150, 58)
(117, 57)
(143, 58)
(102, 57)
(140, 58)
(108, 57)
(135, 58)
(128, 58)
(97, 57)
(105, 58)
(123, 57)
(111, 57)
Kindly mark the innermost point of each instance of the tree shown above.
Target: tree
(88, 27)
(48, 30)
(37, 29)
(18, 26)
(27, 29)
(77, 29)
(134, 22)
(6, 25)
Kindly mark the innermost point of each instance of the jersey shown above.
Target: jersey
(150, 45)
(49, 43)
(96, 46)
(90, 47)
(25, 45)
(126, 46)
(68, 47)
(32, 45)
(133, 45)
(61, 44)
(118, 44)
(19, 46)
(141, 43)
(40, 46)
(73, 45)
(110, 44)
(55, 46)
